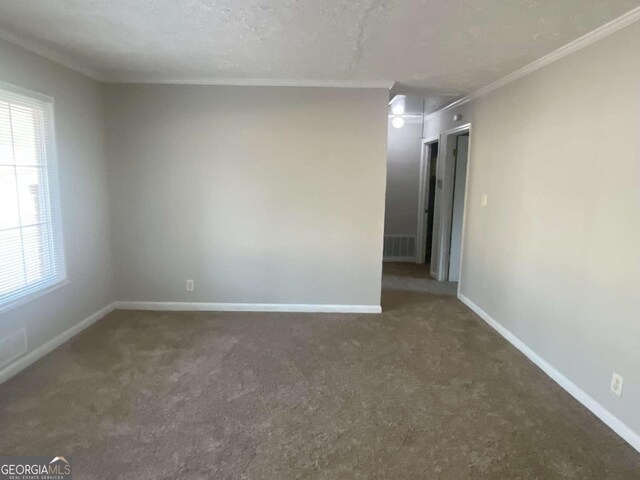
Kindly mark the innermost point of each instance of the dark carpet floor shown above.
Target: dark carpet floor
(424, 391)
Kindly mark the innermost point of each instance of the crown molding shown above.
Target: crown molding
(259, 82)
(49, 54)
(94, 74)
(598, 34)
(601, 32)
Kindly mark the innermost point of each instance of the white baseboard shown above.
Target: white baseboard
(23, 362)
(247, 307)
(598, 410)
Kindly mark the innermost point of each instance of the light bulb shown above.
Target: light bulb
(397, 122)
(398, 108)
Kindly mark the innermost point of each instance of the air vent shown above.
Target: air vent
(399, 248)
(13, 346)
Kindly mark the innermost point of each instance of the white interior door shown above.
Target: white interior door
(460, 179)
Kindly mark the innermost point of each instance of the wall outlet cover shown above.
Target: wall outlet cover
(616, 384)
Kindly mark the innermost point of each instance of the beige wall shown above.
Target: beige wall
(261, 195)
(554, 256)
(82, 174)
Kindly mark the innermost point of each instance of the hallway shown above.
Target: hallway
(414, 277)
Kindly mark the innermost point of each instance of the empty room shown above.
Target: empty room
(294, 239)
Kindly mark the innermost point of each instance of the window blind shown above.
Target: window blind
(31, 246)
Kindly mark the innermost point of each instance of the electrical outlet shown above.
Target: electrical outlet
(483, 200)
(616, 384)
(190, 286)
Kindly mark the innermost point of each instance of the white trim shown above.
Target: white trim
(54, 211)
(599, 33)
(51, 55)
(246, 307)
(95, 74)
(465, 206)
(25, 92)
(603, 31)
(445, 201)
(259, 82)
(598, 410)
(30, 297)
(423, 191)
(460, 129)
(23, 362)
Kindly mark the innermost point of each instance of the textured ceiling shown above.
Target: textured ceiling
(446, 48)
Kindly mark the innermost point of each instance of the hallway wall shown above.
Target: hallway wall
(403, 177)
(554, 255)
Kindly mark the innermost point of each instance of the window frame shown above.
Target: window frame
(54, 195)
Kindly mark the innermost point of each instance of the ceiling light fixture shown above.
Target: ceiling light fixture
(397, 122)
(397, 108)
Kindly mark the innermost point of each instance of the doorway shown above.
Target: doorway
(451, 184)
(426, 202)
(460, 157)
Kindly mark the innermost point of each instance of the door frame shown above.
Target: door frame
(423, 194)
(444, 200)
